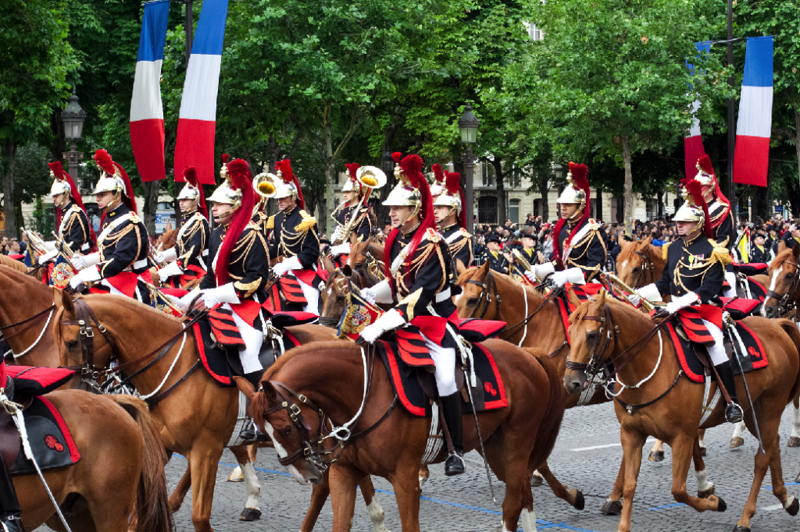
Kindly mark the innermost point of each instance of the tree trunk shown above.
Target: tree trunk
(382, 212)
(626, 156)
(151, 189)
(330, 201)
(501, 190)
(599, 214)
(544, 190)
(795, 203)
(9, 154)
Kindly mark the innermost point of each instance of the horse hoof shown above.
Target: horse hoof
(706, 494)
(738, 528)
(736, 442)
(536, 480)
(703, 451)
(580, 502)
(656, 456)
(794, 507)
(798, 478)
(794, 441)
(611, 508)
(721, 506)
(250, 514)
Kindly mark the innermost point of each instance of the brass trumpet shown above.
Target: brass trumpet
(264, 185)
(371, 177)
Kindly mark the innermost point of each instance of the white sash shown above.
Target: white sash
(65, 217)
(197, 217)
(577, 238)
(112, 226)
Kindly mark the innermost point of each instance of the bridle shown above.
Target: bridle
(647, 269)
(30, 323)
(608, 331)
(484, 301)
(785, 304)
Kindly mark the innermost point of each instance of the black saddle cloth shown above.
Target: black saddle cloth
(224, 364)
(50, 439)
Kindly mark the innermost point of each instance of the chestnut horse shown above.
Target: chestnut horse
(120, 474)
(386, 440)
(670, 408)
(640, 263)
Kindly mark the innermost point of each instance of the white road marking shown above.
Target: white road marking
(606, 446)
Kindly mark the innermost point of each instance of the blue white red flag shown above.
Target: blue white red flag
(754, 127)
(197, 121)
(693, 143)
(147, 113)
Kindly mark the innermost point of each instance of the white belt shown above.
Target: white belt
(140, 264)
(205, 253)
(444, 295)
(85, 247)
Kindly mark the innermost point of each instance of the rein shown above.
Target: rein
(647, 268)
(486, 295)
(784, 300)
(30, 321)
(512, 330)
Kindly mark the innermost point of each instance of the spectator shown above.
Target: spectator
(546, 239)
(759, 252)
(4, 246)
(13, 247)
(529, 220)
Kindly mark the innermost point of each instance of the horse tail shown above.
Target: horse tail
(152, 506)
(551, 422)
(791, 329)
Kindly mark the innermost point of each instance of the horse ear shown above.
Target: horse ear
(796, 250)
(647, 241)
(484, 270)
(601, 299)
(573, 298)
(460, 268)
(245, 387)
(270, 392)
(66, 302)
(347, 270)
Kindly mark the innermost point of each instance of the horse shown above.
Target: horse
(362, 255)
(388, 441)
(120, 474)
(640, 263)
(597, 339)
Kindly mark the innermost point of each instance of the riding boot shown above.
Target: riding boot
(10, 512)
(251, 434)
(451, 410)
(733, 412)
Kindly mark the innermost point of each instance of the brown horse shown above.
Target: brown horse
(640, 263)
(120, 474)
(388, 441)
(363, 254)
(597, 338)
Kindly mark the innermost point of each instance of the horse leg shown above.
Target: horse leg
(319, 494)
(632, 443)
(236, 474)
(789, 502)
(736, 439)
(536, 479)
(343, 481)
(682, 450)
(794, 439)
(701, 436)
(657, 452)
(705, 488)
(424, 475)
(574, 496)
(204, 464)
(251, 511)
(405, 481)
(374, 507)
(177, 497)
(613, 505)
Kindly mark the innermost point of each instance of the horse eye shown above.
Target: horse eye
(472, 301)
(71, 344)
(287, 431)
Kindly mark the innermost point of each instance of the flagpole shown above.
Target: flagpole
(188, 28)
(731, 119)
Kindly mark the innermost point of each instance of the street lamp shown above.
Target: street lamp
(468, 124)
(73, 118)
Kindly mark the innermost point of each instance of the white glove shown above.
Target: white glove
(572, 275)
(86, 275)
(92, 258)
(178, 302)
(49, 256)
(650, 293)
(169, 270)
(77, 261)
(187, 299)
(388, 321)
(634, 299)
(222, 294)
(336, 233)
(368, 294)
(382, 292)
(168, 255)
(682, 302)
(340, 249)
(531, 277)
(286, 265)
(543, 270)
(50, 245)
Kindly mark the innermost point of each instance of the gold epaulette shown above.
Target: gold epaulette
(720, 254)
(307, 223)
(433, 235)
(465, 233)
(271, 222)
(664, 251)
(134, 218)
(252, 225)
(594, 224)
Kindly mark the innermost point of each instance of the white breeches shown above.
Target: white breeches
(445, 373)
(253, 339)
(716, 351)
(731, 278)
(312, 296)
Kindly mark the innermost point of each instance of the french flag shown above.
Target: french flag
(194, 145)
(147, 113)
(693, 143)
(754, 127)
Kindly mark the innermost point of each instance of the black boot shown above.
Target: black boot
(733, 412)
(10, 512)
(451, 410)
(251, 434)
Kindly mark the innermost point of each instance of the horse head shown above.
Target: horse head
(784, 287)
(168, 238)
(589, 334)
(639, 263)
(334, 297)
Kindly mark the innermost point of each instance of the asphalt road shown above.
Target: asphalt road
(587, 456)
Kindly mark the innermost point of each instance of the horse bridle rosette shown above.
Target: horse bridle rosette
(606, 333)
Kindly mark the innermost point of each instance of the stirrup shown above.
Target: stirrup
(454, 465)
(11, 525)
(734, 413)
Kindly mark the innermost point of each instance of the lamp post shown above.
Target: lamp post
(468, 124)
(73, 118)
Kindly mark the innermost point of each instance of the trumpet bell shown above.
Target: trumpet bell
(264, 185)
(371, 176)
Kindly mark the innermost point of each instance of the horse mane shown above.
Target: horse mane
(470, 273)
(322, 347)
(629, 311)
(123, 300)
(13, 264)
(786, 254)
(628, 251)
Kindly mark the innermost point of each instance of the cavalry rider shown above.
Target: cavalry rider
(437, 186)
(723, 227)
(418, 273)
(693, 276)
(759, 253)
(10, 511)
(239, 266)
(448, 208)
(123, 245)
(74, 228)
(352, 215)
(294, 236)
(498, 261)
(188, 258)
(579, 251)
(528, 251)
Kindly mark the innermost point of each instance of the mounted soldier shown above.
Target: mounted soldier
(451, 221)
(123, 245)
(693, 277)
(10, 511)
(418, 273)
(437, 185)
(73, 224)
(578, 248)
(352, 216)
(294, 236)
(188, 258)
(498, 261)
(526, 255)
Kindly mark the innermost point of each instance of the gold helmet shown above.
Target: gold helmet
(110, 178)
(352, 184)
(437, 187)
(406, 193)
(452, 196)
(577, 187)
(191, 190)
(60, 183)
(705, 172)
(694, 208)
(227, 193)
(288, 185)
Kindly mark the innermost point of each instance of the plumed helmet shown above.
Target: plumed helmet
(60, 183)
(352, 184)
(113, 178)
(406, 193)
(452, 196)
(230, 190)
(190, 190)
(577, 189)
(705, 172)
(288, 186)
(694, 208)
(437, 186)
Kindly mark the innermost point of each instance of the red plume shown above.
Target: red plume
(129, 198)
(397, 156)
(704, 162)
(453, 186)
(438, 175)
(224, 158)
(580, 180)
(352, 168)
(190, 176)
(696, 190)
(239, 177)
(412, 168)
(285, 167)
(103, 160)
(61, 175)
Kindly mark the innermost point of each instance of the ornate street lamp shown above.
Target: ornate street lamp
(468, 124)
(73, 118)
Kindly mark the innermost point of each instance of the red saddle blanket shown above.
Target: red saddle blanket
(489, 394)
(31, 381)
(286, 294)
(50, 439)
(755, 358)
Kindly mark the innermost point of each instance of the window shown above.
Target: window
(537, 207)
(513, 210)
(535, 33)
(488, 174)
(487, 210)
